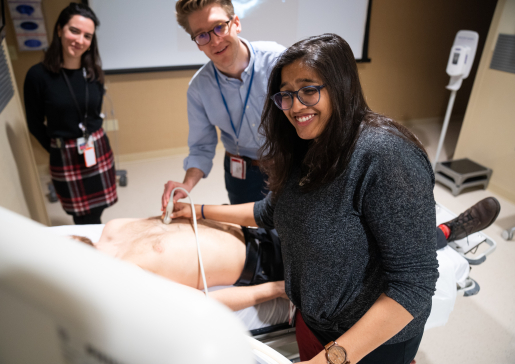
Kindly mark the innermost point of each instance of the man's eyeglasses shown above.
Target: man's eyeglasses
(308, 95)
(219, 30)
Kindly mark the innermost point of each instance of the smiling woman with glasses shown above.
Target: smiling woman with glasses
(307, 95)
(352, 200)
(63, 104)
(351, 197)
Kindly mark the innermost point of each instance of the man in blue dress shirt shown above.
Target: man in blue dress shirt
(228, 92)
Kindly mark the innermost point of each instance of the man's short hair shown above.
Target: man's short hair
(83, 239)
(184, 8)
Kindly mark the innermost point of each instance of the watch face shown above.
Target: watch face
(336, 355)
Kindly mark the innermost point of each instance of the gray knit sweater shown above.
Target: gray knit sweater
(371, 230)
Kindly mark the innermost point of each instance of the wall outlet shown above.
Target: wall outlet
(110, 124)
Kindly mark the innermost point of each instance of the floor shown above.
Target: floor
(481, 329)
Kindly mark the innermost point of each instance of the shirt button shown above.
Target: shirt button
(253, 125)
(247, 106)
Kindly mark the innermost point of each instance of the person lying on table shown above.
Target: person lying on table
(232, 255)
(248, 258)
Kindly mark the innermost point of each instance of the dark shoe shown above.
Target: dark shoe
(476, 218)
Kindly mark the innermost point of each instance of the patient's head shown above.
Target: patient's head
(82, 238)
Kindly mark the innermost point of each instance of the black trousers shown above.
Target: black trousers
(251, 189)
(401, 353)
(91, 218)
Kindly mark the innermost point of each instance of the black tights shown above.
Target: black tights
(92, 218)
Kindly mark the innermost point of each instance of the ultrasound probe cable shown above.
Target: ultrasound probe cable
(168, 219)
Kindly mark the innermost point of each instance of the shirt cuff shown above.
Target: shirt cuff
(202, 163)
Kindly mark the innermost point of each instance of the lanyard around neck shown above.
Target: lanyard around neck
(83, 117)
(237, 133)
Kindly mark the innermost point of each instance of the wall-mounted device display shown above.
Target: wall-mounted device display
(462, 56)
(457, 60)
(29, 24)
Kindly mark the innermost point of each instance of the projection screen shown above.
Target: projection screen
(138, 36)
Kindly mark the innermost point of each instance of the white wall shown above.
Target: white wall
(20, 189)
(488, 132)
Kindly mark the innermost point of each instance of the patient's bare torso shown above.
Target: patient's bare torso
(171, 250)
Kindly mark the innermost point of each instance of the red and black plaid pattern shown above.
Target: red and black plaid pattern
(78, 187)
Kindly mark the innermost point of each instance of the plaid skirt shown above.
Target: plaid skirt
(78, 187)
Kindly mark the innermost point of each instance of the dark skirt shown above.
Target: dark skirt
(78, 187)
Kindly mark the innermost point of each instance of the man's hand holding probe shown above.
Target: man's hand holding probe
(193, 176)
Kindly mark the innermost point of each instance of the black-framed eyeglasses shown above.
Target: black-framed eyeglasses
(307, 95)
(219, 30)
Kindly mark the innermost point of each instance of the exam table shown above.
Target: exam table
(268, 322)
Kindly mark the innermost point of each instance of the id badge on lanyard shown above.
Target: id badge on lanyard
(238, 165)
(88, 149)
(238, 168)
(85, 144)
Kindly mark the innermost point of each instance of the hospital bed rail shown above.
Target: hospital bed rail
(471, 243)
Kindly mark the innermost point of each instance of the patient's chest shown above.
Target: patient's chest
(169, 250)
(144, 238)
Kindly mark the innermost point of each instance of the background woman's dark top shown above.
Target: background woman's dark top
(84, 191)
(370, 231)
(46, 94)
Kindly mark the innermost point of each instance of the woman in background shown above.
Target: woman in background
(67, 89)
(352, 201)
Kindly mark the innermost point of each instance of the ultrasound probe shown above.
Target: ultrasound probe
(168, 219)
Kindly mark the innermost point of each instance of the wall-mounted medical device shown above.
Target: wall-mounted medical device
(460, 62)
(461, 58)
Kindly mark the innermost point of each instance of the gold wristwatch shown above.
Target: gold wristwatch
(335, 354)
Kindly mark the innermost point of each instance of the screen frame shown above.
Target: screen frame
(365, 58)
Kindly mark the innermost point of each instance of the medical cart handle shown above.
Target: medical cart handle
(482, 257)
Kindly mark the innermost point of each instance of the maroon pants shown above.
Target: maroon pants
(309, 346)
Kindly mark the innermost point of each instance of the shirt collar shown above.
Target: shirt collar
(247, 71)
(252, 59)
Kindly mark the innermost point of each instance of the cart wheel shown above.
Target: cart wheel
(123, 181)
(52, 196)
(472, 290)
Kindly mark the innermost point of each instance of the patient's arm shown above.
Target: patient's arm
(238, 298)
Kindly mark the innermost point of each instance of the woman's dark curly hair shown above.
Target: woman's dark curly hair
(323, 159)
(90, 60)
